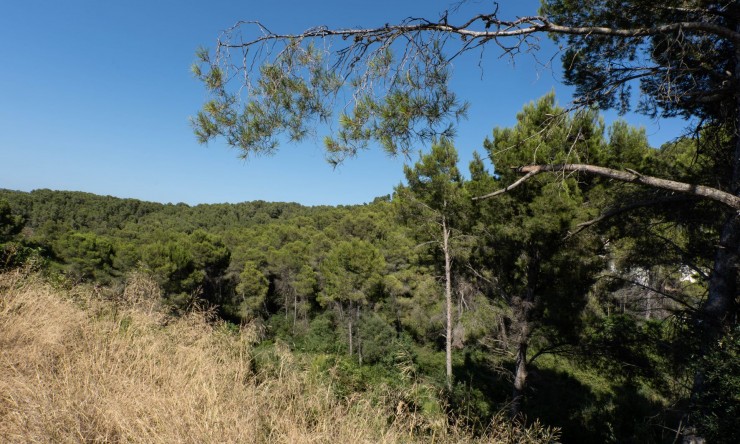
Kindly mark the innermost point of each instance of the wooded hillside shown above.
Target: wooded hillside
(567, 300)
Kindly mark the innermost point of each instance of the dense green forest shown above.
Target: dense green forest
(568, 300)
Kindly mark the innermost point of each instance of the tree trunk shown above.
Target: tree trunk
(522, 308)
(295, 309)
(349, 327)
(520, 380)
(359, 339)
(448, 300)
(717, 310)
(722, 285)
(285, 303)
(522, 312)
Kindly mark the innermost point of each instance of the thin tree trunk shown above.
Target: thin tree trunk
(359, 339)
(285, 302)
(520, 379)
(522, 311)
(448, 300)
(648, 305)
(349, 327)
(649, 299)
(295, 308)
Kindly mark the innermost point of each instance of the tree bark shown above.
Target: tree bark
(522, 313)
(448, 300)
(716, 310)
(520, 379)
(722, 282)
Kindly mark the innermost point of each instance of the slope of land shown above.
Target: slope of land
(91, 364)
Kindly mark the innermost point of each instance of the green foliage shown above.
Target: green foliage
(251, 293)
(87, 255)
(297, 89)
(10, 224)
(12, 252)
(718, 406)
(352, 272)
(600, 65)
(626, 348)
(377, 338)
(188, 266)
(321, 336)
(434, 191)
(543, 275)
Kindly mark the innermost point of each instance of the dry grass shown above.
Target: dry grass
(77, 366)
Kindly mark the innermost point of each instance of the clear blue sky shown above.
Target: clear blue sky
(95, 96)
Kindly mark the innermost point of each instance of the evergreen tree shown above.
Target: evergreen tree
(352, 272)
(542, 275)
(433, 204)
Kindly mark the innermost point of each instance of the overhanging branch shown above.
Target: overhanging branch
(522, 26)
(630, 176)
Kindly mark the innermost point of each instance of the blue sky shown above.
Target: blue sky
(95, 96)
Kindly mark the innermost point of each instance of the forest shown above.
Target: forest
(553, 304)
(571, 283)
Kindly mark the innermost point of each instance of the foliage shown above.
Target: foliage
(298, 89)
(719, 405)
(534, 270)
(252, 292)
(10, 224)
(675, 67)
(89, 256)
(12, 253)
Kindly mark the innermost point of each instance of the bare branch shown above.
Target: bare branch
(522, 26)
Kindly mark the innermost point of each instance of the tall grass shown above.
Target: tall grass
(84, 364)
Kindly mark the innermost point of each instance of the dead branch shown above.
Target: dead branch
(522, 26)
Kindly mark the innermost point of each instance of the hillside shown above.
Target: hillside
(87, 364)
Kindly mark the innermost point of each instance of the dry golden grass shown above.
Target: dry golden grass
(79, 366)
